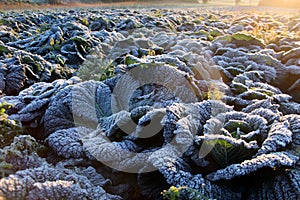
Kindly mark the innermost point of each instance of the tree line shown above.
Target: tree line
(112, 1)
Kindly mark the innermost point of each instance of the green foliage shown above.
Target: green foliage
(81, 40)
(172, 193)
(85, 21)
(180, 193)
(96, 68)
(129, 60)
(22, 152)
(226, 153)
(241, 39)
(5, 168)
(233, 137)
(4, 49)
(210, 35)
(214, 93)
(237, 127)
(43, 27)
(242, 36)
(8, 128)
(158, 14)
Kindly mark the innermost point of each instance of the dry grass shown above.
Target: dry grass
(129, 4)
(22, 6)
(244, 6)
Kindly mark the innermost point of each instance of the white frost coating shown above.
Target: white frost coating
(51, 182)
(279, 136)
(272, 160)
(67, 143)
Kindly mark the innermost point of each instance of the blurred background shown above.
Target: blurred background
(196, 3)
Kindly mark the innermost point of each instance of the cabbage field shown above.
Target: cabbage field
(150, 103)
